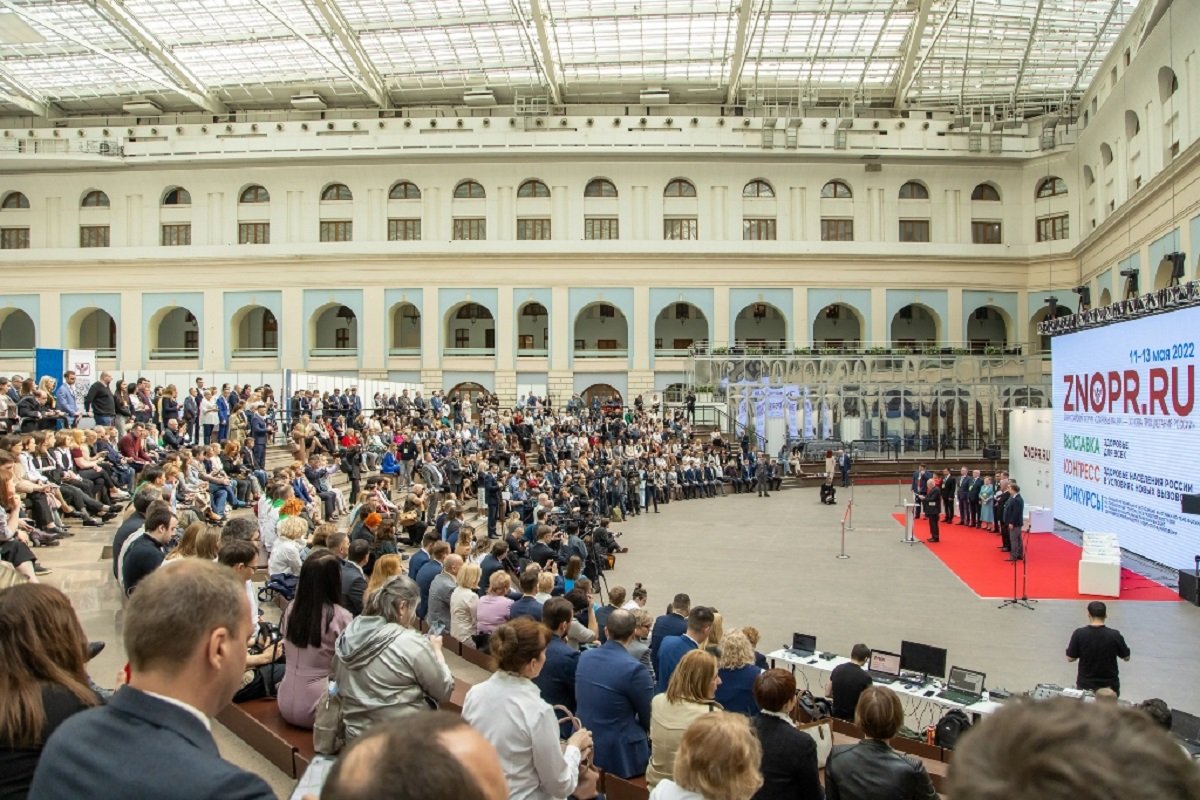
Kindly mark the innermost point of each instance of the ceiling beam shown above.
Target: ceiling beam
(542, 51)
(1037, 18)
(738, 61)
(336, 23)
(154, 49)
(15, 92)
(874, 49)
(915, 34)
(815, 46)
(1087, 60)
(906, 85)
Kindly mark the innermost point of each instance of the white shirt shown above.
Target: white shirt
(195, 712)
(509, 712)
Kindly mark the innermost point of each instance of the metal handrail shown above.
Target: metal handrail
(464, 352)
(182, 354)
(333, 352)
(620, 353)
(398, 352)
(533, 352)
(706, 347)
(256, 352)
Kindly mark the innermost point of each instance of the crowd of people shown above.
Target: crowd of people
(582, 683)
(987, 502)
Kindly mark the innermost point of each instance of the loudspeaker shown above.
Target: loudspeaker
(991, 452)
(1188, 587)
(1190, 504)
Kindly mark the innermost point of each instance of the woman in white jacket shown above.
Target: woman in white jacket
(208, 416)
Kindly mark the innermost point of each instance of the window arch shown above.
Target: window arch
(837, 190)
(1133, 125)
(1168, 84)
(1106, 154)
(336, 191)
(986, 192)
(254, 194)
(680, 187)
(14, 200)
(600, 187)
(1051, 186)
(177, 196)
(533, 188)
(758, 188)
(469, 190)
(914, 190)
(95, 199)
(404, 190)
(1089, 177)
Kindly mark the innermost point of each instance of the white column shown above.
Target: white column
(721, 334)
(879, 325)
(641, 338)
(212, 336)
(560, 328)
(292, 325)
(506, 333)
(953, 328)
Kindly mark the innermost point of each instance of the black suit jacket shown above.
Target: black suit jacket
(354, 584)
(1014, 511)
(139, 746)
(789, 762)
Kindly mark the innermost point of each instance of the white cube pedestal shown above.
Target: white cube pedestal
(1100, 578)
(1041, 520)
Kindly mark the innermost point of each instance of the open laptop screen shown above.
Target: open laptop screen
(966, 680)
(804, 642)
(883, 661)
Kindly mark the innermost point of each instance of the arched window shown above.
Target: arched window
(336, 191)
(680, 188)
(255, 194)
(1052, 186)
(1089, 177)
(1133, 125)
(469, 190)
(1106, 154)
(836, 190)
(95, 199)
(404, 190)
(600, 187)
(758, 188)
(986, 193)
(533, 188)
(177, 197)
(1168, 83)
(14, 200)
(914, 190)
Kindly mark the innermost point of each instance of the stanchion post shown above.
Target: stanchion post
(850, 515)
(845, 517)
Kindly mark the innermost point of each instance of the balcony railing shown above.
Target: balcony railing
(533, 352)
(404, 352)
(667, 352)
(469, 352)
(106, 352)
(621, 353)
(333, 352)
(16, 353)
(779, 348)
(175, 354)
(256, 352)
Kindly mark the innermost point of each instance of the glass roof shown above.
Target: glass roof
(91, 55)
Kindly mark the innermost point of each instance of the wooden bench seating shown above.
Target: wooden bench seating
(259, 724)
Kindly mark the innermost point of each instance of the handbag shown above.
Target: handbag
(329, 726)
(821, 732)
(588, 785)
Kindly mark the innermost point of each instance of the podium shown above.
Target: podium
(1041, 520)
(910, 519)
(1100, 565)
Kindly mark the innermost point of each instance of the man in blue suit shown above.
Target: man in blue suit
(556, 681)
(259, 431)
(674, 648)
(185, 635)
(919, 480)
(673, 623)
(1014, 521)
(612, 695)
(223, 414)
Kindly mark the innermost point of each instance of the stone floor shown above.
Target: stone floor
(772, 563)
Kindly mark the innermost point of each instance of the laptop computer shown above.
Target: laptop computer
(803, 645)
(1186, 728)
(884, 667)
(963, 686)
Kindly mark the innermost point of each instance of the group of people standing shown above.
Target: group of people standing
(982, 501)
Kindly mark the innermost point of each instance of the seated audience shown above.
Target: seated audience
(753, 635)
(285, 555)
(511, 714)
(311, 626)
(871, 768)
(613, 690)
(430, 570)
(45, 677)
(738, 673)
(463, 603)
(494, 607)
(789, 756)
(1063, 749)
(848, 681)
(556, 681)
(690, 694)
(386, 567)
(351, 557)
(528, 605)
(198, 541)
(700, 622)
(717, 760)
(639, 644)
(142, 554)
(438, 614)
(432, 756)
(386, 668)
(672, 623)
(185, 634)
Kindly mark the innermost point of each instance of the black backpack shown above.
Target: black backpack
(950, 727)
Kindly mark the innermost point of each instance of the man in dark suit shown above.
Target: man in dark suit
(919, 480)
(430, 570)
(973, 498)
(492, 563)
(949, 488)
(528, 606)
(843, 465)
(673, 623)
(613, 692)
(259, 431)
(556, 681)
(153, 738)
(933, 507)
(1014, 520)
(674, 648)
(491, 496)
(1000, 501)
(963, 493)
(351, 557)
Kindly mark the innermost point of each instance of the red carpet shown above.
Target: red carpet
(971, 554)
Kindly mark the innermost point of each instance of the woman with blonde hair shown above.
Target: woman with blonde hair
(285, 552)
(198, 541)
(738, 673)
(690, 695)
(718, 759)
(387, 566)
(463, 604)
(494, 607)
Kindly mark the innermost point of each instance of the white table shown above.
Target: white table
(1041, 520)
(1100, 565)
(922, 706)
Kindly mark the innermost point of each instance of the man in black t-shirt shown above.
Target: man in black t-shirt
(847, 682)
(1097, 648)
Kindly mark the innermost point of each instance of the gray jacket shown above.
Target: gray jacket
(438, 612)
(384, 671)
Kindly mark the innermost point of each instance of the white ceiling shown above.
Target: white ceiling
(87, 56)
